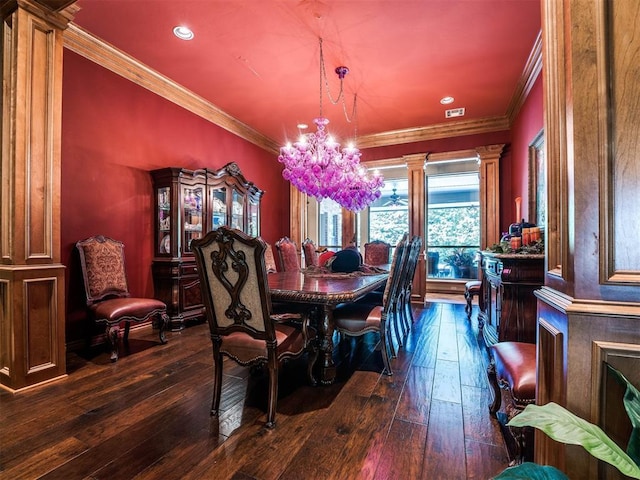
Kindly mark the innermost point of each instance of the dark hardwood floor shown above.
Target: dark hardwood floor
(147, 416)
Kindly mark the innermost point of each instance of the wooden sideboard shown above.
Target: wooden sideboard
(508, 283)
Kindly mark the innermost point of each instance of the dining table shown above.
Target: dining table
(323, 292)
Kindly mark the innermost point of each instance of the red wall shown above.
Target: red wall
(525, 128)
(113, 133)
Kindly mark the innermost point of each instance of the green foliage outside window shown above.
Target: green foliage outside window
(454, 226)
(388, 225)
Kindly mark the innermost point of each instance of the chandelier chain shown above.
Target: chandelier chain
(323, 78)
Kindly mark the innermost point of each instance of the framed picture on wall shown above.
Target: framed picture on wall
(537, 181)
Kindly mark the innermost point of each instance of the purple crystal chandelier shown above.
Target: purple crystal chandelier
(317, 166)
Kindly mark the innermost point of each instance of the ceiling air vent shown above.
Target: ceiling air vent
(454, 112)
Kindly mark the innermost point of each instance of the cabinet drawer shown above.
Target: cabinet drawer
(189, 269)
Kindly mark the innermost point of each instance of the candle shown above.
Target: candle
(518, 211)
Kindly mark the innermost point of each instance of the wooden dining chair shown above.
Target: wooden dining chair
(377, 252)
(107, 291)
(405, 316)
(310, 250)
(357, 319)
(242, 325)
(288, 255)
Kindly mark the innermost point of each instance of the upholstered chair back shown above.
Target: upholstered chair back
(377, 252)
(103, 269)
(310, 253)
(288, 255)
(234, 288)
(270, 260)
(397, 263)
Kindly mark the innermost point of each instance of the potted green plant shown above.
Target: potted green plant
(563, 426)
(461, 261)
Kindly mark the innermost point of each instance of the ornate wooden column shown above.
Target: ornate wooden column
(589, 309)
(32, 288)
(489, 194)
(417, 219)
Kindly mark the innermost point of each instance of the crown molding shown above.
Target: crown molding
(529, 76)
(432, 132)
(100, 52)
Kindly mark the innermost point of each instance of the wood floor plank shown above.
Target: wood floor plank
(479, 425)
(444, 457)
(446, 382)
(483, 461)
(405, 443)
(146, 417)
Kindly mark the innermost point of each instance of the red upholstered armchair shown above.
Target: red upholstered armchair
(107, 293)
(288, 255)
(310, 253)
(376, 252)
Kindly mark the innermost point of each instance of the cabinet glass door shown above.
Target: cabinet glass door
(254, 220)
(164, 220)
(237, 210)
(192, 214)
(218, 207)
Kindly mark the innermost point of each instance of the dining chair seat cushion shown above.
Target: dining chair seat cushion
(516, 364)
(247, 349)
(116, 310)
(355, 317)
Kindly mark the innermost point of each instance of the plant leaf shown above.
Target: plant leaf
(563, 426)
(632, 406)
(531, 471)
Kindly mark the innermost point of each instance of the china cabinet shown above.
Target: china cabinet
(189, 203)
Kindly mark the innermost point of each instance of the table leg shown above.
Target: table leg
(327, 367)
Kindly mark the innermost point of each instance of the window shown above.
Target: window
(389, 215)
(453, 224)
(330, 225)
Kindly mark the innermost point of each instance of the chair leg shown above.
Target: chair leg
(273, 390)
(112, 337)
(497, 396)
(389, 335)
(125, 337)
(468, 307)
(385, 343)
(408, 315)
(163, 326)
(398, 321)
(311, 361)
(217, 380)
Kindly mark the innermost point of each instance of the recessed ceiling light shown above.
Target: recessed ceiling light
(446, 100)
(183, 33)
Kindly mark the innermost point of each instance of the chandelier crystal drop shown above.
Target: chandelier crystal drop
(317, 165)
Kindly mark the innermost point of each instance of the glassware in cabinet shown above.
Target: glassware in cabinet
(237, 210)
(163, 233)
(218, 207)
(192, 214)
